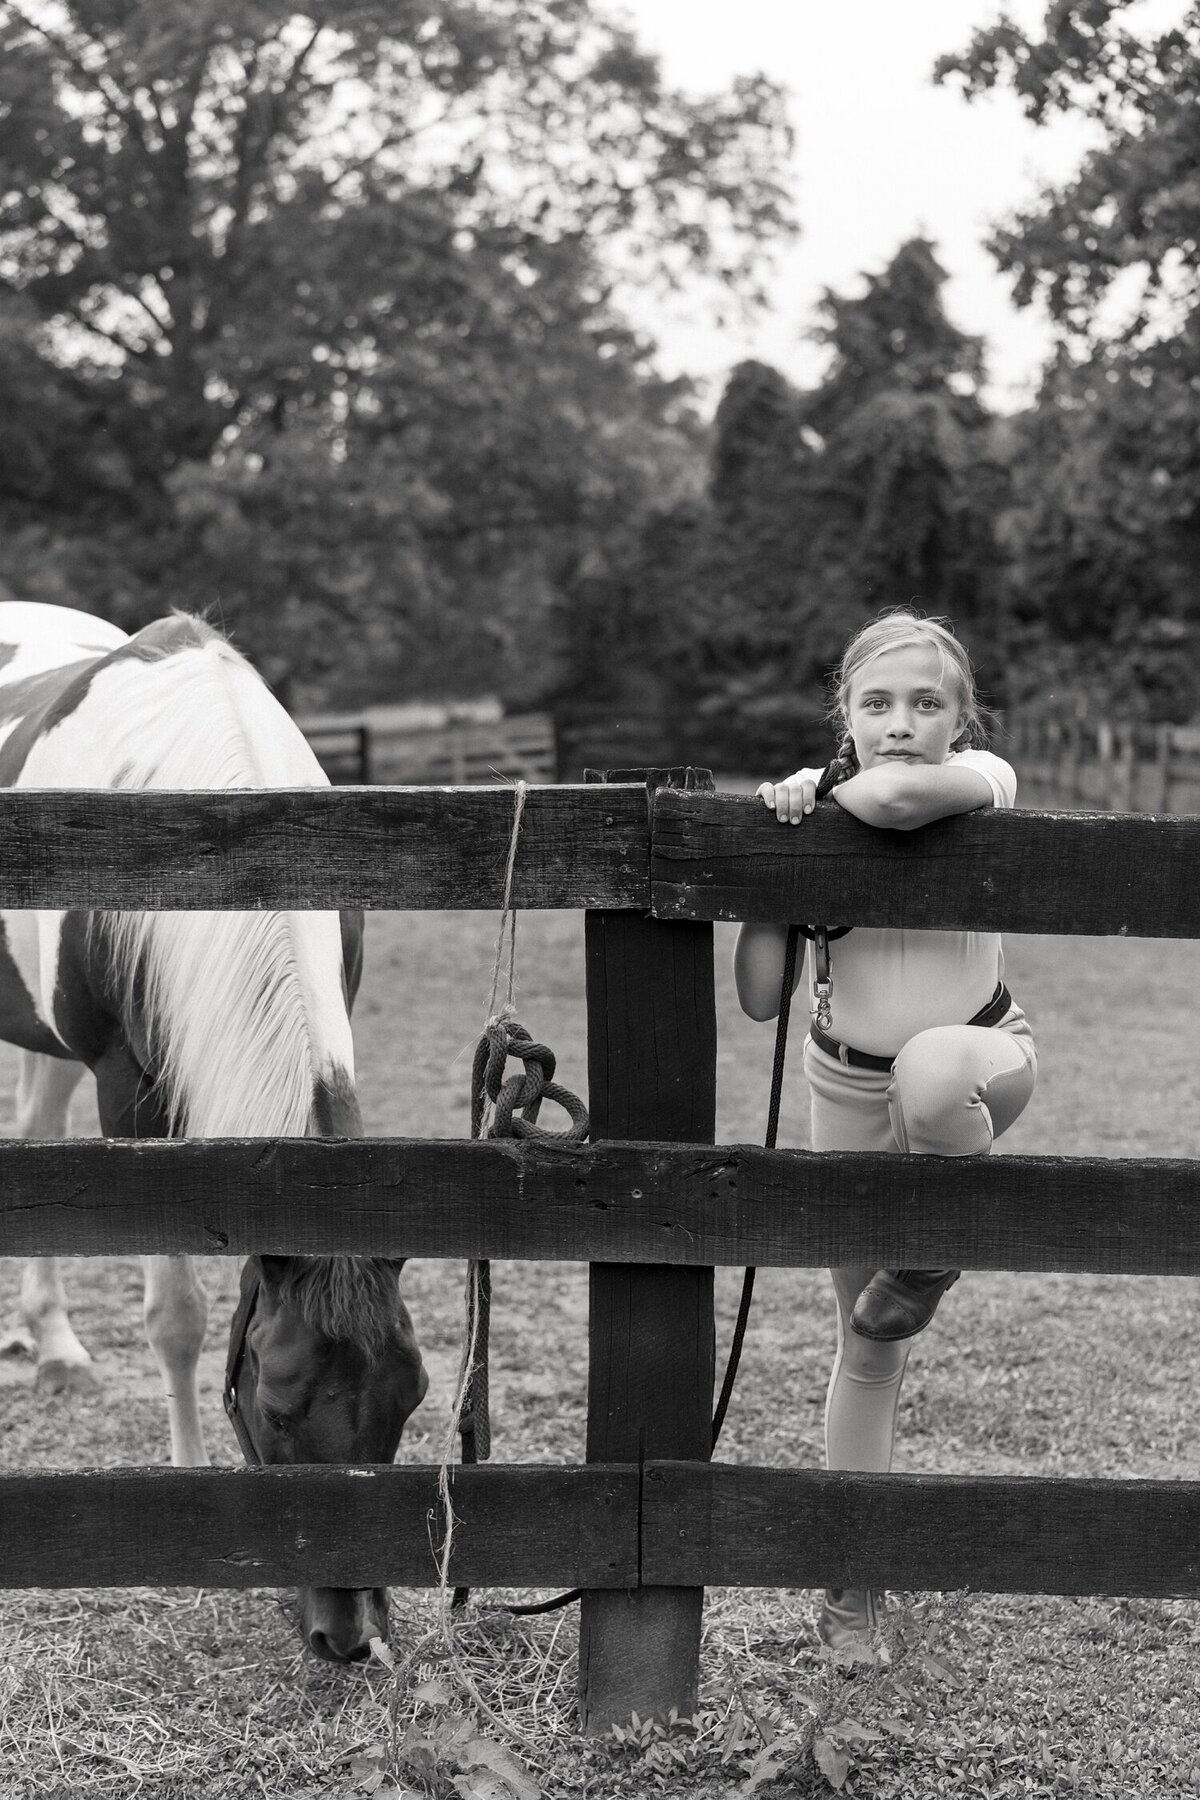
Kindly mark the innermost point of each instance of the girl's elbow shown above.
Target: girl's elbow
(757, 969)
(885, 812)
(759, 1007)
(889, 815)
(889, 802)
(902, 816)
(754, 996)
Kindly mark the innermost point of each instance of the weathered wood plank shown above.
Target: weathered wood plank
(612, 1202)
(1105, 874)
(515, 1526)
(521, 1526)
(755, 1527)
(421, 848)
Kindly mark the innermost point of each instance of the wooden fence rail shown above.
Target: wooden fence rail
(612, 1528)
(650, 1205)
(696, 856)
(436, 849)
(672, 1204)
(328, 1527)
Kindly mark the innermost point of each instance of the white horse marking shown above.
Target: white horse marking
(211, 1023)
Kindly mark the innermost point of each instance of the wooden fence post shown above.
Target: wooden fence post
(1162, 760)
(652, 1042)
(1105, 757)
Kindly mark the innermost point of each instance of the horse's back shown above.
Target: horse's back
(250, 1032)
(83, 704)
(35, 637)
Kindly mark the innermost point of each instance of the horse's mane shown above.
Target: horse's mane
(349, 1299)
(222, 995)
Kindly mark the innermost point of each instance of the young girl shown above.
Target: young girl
(915, 1043)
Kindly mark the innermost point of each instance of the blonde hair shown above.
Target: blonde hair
(896, 629)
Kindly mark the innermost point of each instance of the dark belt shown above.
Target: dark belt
(991, 1014)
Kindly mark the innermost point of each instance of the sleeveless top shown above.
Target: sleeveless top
(890, 984)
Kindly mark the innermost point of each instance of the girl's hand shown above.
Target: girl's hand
(791, 798)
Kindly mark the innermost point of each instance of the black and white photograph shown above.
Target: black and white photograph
(599, 900)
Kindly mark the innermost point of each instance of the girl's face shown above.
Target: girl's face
(901, 708)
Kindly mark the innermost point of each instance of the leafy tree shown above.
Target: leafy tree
(1101, 563)
(1107, 529)
(907, 485)
(324, 303)
(1134, 204)
(879, 486)
(746, 654)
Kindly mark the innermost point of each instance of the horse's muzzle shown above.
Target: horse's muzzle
(339, 1623)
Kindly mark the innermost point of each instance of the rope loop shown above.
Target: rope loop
(517, 1101)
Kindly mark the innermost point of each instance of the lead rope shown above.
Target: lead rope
(820, 936)
(781, 1033)
(499, 1109)
(469, 1416)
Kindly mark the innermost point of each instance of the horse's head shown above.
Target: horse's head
(324, 1368)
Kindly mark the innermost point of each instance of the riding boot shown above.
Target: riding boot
(848, 1620)
(897, 1303)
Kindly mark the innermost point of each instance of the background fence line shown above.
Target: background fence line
(1109, 765)
(365, 748)
(1061, 760)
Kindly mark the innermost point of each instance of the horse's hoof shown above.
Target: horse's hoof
(66, 1378)
(17, 1342)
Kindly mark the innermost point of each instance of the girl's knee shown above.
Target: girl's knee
(957, 1087)
(936, 1096)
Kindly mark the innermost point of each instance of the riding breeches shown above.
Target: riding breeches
(951, 1091)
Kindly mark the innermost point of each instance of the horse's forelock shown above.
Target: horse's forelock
(348, 1299)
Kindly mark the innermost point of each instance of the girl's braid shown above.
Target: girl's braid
(843, 766)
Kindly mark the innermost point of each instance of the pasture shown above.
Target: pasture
(177, 1693)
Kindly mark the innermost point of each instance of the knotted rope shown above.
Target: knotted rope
(517, 1101)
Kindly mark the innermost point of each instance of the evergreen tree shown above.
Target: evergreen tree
(881, 486)
(907, 486)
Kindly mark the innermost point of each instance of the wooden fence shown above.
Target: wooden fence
(1116, 767)
(460, 753)
(652, 1204)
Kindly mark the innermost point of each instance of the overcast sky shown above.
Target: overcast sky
(882, 155)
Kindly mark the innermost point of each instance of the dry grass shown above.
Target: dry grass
(180, 1695)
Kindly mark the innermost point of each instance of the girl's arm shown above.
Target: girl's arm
(758, 968)
(910, 794)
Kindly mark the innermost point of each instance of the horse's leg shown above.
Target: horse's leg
(176, 1314)
(44, 1088)
(176, 1306)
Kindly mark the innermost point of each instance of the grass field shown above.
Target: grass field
(186, 1695)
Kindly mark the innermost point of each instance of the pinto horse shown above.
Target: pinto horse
(205, 1024)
